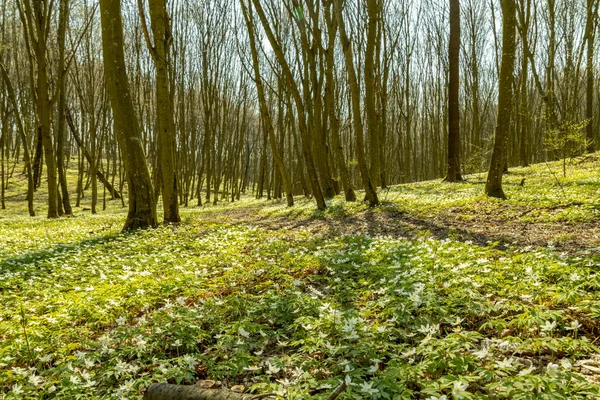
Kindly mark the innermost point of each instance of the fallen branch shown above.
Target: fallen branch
(166, 391)
(337, 391)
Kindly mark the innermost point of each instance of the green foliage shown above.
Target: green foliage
(288, 311)
(94, 313)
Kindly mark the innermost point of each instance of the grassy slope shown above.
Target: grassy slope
(297, 301)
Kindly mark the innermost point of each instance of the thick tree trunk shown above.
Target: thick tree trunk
(142, 205)
(493, 187)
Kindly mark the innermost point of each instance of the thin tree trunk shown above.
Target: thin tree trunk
(493, 187)
(453, 172)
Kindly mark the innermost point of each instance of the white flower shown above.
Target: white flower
(549, 326)
(459, 389)
(272, 369)
(20, 371)
(51, 389)
(35, 380)
(243, 332)
(373, 368)
(45, 359)
(348, 381)
(506, 363)
(75, 379)
(16, 389)
(481, 354)
(415, 298)
(89, 383)
(121, 368)
(426, 339)
(367, 387)
(121, 320)
(127, 386)
(552, 369)
(573, 326)
(190, 361)
(527, 371)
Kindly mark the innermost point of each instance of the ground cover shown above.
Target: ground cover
(411, 300)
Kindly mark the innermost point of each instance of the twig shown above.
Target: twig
(340, 389)
(265, 395)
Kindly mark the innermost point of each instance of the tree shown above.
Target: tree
(590, 29)
(160, 52)
(37, 16)
(493, 187)
(370, 191)
(65, 203)
(142, 204)
(453, 172)
(266, 117)
(305, 128)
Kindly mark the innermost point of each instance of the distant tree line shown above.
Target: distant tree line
(185, 101)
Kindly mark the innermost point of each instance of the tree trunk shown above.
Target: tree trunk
(142, 205)
(21, 130)
(589, 109)
(453, 172)
(62, 96)
(266, 117)
(493, 187)
(370, 192)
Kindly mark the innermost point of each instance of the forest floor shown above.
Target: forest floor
(438, 292)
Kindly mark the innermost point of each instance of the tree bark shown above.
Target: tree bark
(165, 391)
(62, 98)
(493, 187)
(142, 204)
(160, 51)
(453, 172)
(589, 109)
(266, 117)
(21, 130)
(370, 192)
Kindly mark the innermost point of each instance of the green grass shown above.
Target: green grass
(89, 312)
